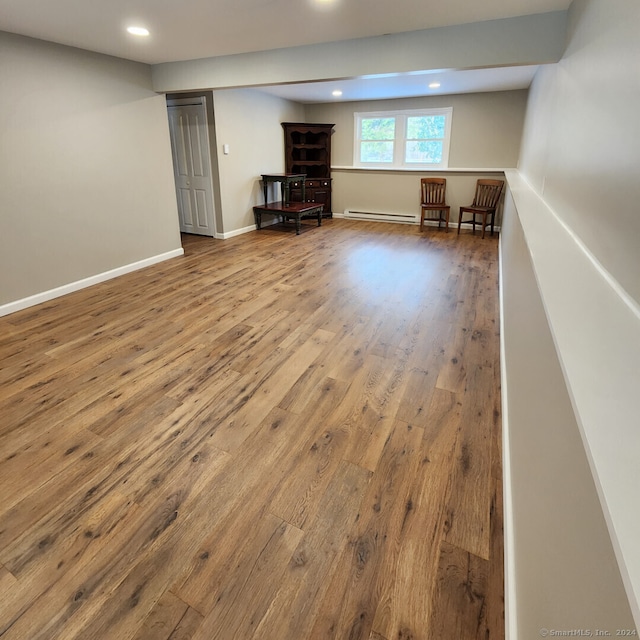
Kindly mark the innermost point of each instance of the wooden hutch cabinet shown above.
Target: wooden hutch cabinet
(307, 149)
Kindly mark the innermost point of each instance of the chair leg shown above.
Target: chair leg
(441, 218)
(484, 223)
(459, 221)
(493, 218)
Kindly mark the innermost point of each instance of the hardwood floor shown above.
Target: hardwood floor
(276, 437)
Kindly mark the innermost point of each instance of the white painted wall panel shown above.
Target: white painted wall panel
(578, 212)
(249, 122)
(582, 138)
(86, 182)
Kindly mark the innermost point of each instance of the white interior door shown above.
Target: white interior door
(192, 168)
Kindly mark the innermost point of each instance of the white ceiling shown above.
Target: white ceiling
(407, 85)
(191, 29)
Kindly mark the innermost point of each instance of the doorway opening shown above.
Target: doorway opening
(191, 153)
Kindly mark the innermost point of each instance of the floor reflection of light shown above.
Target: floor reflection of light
(384, 275)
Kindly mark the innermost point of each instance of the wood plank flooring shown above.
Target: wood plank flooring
(275, 437)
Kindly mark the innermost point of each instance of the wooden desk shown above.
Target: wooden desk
(285, 179)
(293, 210)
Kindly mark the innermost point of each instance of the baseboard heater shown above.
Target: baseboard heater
(406, 218)
(403, 218)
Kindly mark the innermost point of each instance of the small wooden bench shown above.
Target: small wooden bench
(292, 211)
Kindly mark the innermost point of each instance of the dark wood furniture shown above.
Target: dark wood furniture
(293, 211)
(317, 191)
(485, 203)
(307, 148)
(287, 209)
(285, 180)
(433, 192)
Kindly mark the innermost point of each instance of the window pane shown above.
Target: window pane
(376, 152)
(421, 127)
(377, 128)
(424, 151)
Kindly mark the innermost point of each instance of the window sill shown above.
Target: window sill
(422, 169)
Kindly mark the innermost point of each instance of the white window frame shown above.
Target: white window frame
(399, 143)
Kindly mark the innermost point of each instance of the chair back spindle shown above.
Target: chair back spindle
(433, 190)
(487, 193)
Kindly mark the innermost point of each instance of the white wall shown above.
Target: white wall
(564, 570)
(86, 181)
(486, 132)
(581, 145)
(486, 127)
(571, 328)
(399, 192)
(532, 39)
(249, 122)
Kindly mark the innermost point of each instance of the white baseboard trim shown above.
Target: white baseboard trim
(45, 296)
(236, 232)
(427, 223)
(239, 232)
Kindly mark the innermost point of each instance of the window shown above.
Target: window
(417, 138)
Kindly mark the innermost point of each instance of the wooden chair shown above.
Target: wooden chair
(433, 199)
(484, 203)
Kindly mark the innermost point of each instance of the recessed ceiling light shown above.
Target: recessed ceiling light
(336, 93)
(138, 31)
(434, 85)
(324, 5)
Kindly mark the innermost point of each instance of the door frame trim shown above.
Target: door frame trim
(200, 101)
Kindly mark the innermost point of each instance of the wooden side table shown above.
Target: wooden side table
(285, 179)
